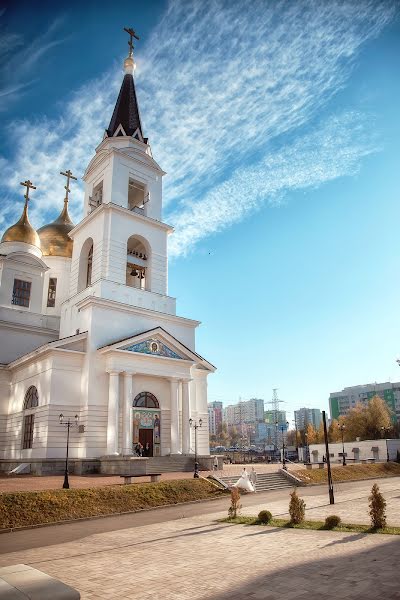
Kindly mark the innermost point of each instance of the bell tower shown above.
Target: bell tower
(120, 246)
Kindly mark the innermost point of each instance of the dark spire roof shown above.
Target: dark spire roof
(126, 111)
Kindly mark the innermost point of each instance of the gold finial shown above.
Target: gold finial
(132, 35)
(29, 186)
(69, 176)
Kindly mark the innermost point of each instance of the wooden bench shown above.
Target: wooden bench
(22, 581)
(153, 477)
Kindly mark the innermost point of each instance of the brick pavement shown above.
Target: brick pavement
(199, 558)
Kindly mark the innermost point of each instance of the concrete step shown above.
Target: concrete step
(265, 481)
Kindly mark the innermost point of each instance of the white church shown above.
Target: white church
(87, 328)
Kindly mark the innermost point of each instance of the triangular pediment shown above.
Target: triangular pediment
(158, 343)
(155, 347)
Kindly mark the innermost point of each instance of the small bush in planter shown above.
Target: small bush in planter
(264, 516)
(297, 509)
(332, 521)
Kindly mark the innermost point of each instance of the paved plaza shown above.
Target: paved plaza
(198, 558)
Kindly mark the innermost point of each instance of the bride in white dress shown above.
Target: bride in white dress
(244, 482)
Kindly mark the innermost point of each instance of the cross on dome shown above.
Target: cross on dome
(29, 186)
(68, 175)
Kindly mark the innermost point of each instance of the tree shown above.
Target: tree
(377, 415)
(311, 434)
(291, 438)
(377, 508)
(366, 422)
(334, 431)
(320, 433)
(235, 435)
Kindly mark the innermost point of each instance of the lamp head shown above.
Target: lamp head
(200, 422)
(61, 417)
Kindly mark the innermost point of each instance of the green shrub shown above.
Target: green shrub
(235, 503)
(297, 508)
(332, 521)
(377, 508)
(264, 516)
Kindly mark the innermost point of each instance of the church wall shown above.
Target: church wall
(60, 268)
(109, 325)
(27, 268)
(94, 229)
(200, 409)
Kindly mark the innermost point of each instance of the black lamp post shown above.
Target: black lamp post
(283, 428)
(68, 424)
(384, 431)
(307, 456)
(342, 428)
(195, 427)
(295, 428)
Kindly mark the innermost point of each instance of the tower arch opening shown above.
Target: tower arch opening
(138, 263)
(85, 265)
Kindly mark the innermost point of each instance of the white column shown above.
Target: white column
(185, 417)
(174, 383)
(126, 415)
(113, 412)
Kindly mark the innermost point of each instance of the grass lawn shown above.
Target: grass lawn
(21, 509)
(316, 525)
(349, 473)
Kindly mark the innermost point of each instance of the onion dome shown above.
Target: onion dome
(54, 239)
(22, 231)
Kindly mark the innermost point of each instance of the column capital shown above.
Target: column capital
(128, 373)
(113, 372)
(186, 379)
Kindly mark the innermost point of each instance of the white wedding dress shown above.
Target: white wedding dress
(244, 482)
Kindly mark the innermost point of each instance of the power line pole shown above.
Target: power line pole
(275, 409)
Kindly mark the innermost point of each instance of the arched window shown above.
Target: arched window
(31, 401)
(31, 398)
(89, 266)
(146, 400)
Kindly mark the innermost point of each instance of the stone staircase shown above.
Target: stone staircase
(170, 464)
(265, 481)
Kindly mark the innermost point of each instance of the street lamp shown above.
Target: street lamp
(195, 427)
(68, 424)
(307, 456)
(295, 428)
(283, 428)
(384, 431)
(342, 427)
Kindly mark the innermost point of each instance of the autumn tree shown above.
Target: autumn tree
(320, 433)
(377, 416)
(312, 436)
(334, 431)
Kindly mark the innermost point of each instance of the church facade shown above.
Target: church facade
(86, 324)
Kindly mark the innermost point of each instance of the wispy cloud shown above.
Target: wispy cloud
(231, 95)
(19, 57)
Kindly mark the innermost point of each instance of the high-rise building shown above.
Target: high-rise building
(272, 416)
(307, 416)
(214, 417)
(341, 402)
(245, 411)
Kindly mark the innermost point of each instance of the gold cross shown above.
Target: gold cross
(29, 186)
(132, 35)
(68, 175)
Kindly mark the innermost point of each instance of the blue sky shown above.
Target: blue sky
(278, 124)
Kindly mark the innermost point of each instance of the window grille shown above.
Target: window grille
(31, 398)
(21, 293)
(28, 431)
(146, 400)
(51, 292)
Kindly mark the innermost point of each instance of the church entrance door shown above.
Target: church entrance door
(146, 437)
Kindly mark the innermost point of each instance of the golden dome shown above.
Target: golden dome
(22, 231)
(54, 240)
